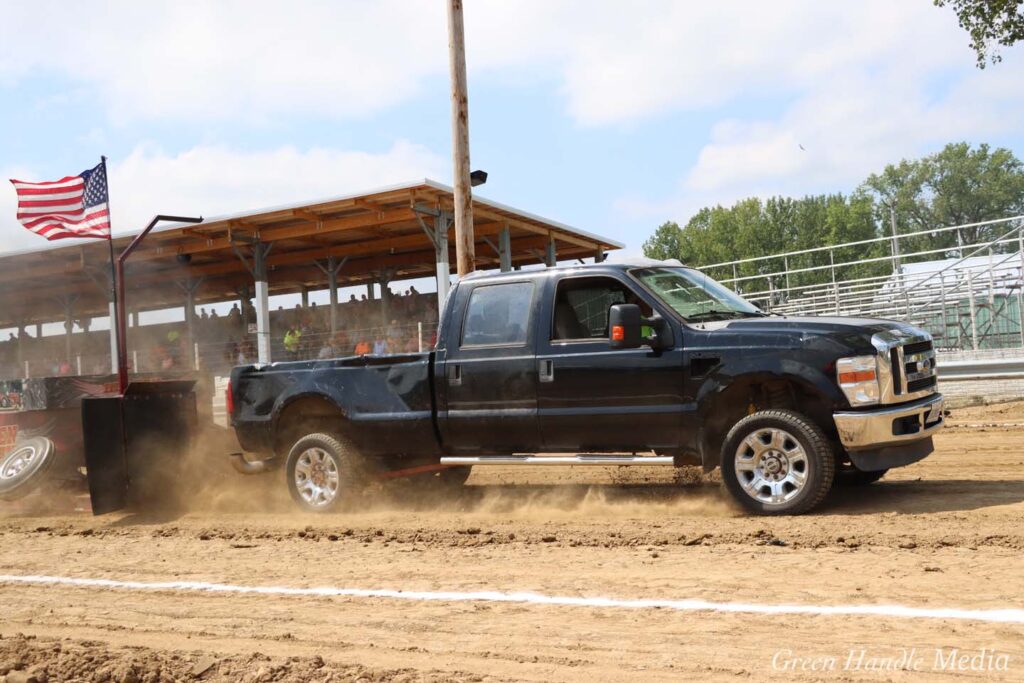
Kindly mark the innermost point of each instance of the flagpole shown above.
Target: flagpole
(114, 352)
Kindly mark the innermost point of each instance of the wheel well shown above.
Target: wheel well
(749, 395)
(303, 416)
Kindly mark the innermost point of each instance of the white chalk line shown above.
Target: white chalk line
(1004, 616)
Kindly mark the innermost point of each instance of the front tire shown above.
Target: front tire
(777, 462)
(322, 472)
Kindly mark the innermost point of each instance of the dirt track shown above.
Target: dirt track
(946, 532)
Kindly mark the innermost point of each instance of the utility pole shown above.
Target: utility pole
(464, 238)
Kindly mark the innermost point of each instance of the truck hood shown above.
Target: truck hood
(852, 333)
(820, 324)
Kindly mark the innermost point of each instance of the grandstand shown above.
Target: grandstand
(54, 300)
(968, 298)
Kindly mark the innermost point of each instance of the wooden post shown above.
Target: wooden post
(464, 237)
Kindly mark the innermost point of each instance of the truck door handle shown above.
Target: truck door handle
(546, 371)
(455, 375)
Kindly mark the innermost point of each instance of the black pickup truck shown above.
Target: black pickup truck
(642, 363)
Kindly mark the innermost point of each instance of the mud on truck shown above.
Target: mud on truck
(638, 364)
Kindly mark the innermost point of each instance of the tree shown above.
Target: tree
(753, 228)
(666, 242)
(989, 23)
(959, 185)
(956, 186)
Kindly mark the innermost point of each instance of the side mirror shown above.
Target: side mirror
(624, 326)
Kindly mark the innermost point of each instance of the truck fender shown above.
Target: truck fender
(728, 395)
(311, 405)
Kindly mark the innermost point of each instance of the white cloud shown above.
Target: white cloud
(835, 135)
(212, 180)
(230, 60)
(631, 60)
(851, 90)
(616, 62)
(851, 82)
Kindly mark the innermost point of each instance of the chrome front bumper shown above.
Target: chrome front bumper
(891, 425)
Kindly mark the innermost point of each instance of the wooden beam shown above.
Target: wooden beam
(523, 225)
(272, 234)
(307, 215)
(42, 272)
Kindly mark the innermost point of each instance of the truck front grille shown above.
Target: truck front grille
(913, 367)
(906, 361)
(921, 384)
(917, 347)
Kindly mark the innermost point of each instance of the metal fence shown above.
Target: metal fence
(968, 296)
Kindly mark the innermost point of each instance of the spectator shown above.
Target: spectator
(340, 342)
(293, 342)
(380, 346)
(326, 350)
(249, 312)
(362, 347)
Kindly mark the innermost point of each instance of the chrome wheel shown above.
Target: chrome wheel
(316, 477)
(17, 461)
(771, 465)
(26, 467)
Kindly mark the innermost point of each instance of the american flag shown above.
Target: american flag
(75, 206)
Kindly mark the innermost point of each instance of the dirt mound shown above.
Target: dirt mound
(24, 659)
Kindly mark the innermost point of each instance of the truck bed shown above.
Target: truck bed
(387, 401)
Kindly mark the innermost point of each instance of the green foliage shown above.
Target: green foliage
(989, 22)
(957, 185)
(752, 228)
(665, 243)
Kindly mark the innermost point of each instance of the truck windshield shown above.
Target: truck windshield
(694, 295)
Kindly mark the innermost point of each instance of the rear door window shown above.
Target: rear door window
(498, 315)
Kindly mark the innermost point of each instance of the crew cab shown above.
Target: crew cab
(641, 363)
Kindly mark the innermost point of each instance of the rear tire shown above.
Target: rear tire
(323, 472)
(777, 462)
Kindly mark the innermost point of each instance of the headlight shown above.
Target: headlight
(858, 378)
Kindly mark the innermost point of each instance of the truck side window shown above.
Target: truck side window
(581, 307)
(498, 315)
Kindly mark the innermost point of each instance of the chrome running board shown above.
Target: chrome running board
(559, 460)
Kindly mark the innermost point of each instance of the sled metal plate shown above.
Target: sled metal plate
(105, 461)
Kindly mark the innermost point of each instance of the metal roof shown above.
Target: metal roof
(378, 231)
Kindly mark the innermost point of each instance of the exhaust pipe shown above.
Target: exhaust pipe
(244, 466)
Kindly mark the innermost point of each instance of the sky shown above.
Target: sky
(610, 116)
